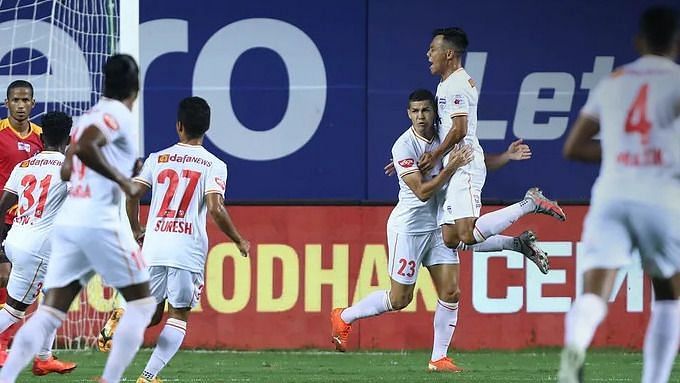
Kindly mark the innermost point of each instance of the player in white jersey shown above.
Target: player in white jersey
(87, 234)
(457, 99)
(37, 189)
(634, 202)
(187, 183)
(413, 236)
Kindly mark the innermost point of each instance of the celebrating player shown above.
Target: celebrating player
(634, 203)
(457, 107)
(414, 238)
(87, 236)
(36, 187)
(19, 140)
(187, 181)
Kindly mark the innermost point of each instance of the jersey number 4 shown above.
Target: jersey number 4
(30, 182)
(636, 120)
(172, 178)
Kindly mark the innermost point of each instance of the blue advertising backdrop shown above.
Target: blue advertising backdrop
(309, 96)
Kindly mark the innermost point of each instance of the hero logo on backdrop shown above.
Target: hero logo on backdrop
(307, 83)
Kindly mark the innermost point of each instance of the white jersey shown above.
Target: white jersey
(457, 96)
(180, 177)
(412, 215)
(94, 200)
(40, 192)
(638, 109)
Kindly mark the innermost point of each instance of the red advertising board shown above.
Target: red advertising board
(307, 260)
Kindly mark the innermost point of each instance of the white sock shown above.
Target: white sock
(493, 243)
(9, 316)
(128, 337)
(661, 341)
(495, 222)
(445, 321)
(46, 349)
(373, 304)
(167, 346)
(582, 320)
(28, 340)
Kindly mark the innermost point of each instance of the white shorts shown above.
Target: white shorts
(614, 228)
(79, 252)
(27, 276)
(407, 252)
(182, 288)
(464, 193)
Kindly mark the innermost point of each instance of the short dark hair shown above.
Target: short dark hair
(121, 77)
(19, 84)
(422, 95)
(659, 28)
(454, 36)
(56, 127)
(194, 114)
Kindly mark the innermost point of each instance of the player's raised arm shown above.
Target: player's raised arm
(218, 212)
(88, 150)
(517, 151)
(453, 137)
(424, 190)
(580, 145)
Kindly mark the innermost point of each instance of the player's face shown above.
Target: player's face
(421, 114)
(437, 55)
(20, 103)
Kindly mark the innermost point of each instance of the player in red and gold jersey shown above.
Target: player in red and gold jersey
(19, 140)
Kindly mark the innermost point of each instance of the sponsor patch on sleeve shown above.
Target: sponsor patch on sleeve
(406, 163)
(110, 122)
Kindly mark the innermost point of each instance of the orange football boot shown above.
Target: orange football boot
(444, 364)
(44, 367)
(340, 330)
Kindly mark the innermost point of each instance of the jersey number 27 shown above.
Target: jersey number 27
(172, 178)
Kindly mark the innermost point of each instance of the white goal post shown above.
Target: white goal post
(60, 46)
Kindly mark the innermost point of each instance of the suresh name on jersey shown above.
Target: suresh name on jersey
(411, 215)
(457, 96)
(180, 176)
(638, 109)
(40, 192)
(94, 201)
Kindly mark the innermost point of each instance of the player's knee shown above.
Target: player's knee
(450, 295)
(158, 315)
(467, 238)
(399, 301)
(451, 242)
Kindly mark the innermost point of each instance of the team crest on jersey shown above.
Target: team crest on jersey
(23, 146)
(458, 100)
(163, 158)
(24, 164)
(110, 122)
(220, 182)
(407, 163)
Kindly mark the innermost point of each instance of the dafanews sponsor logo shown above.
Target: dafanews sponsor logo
(182, 159)
(40, 162)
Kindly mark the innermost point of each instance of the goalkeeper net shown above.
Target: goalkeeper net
(60, 47)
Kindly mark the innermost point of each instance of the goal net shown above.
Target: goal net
(60, 47)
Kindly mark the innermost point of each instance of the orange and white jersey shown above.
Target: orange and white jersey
(411, 215)
(41, 193)
(180, 177)
(457, 96)
(94, 200)
(638, 109)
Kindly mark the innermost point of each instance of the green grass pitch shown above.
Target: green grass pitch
(325, 366)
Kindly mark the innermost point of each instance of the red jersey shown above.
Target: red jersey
(15, 148)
